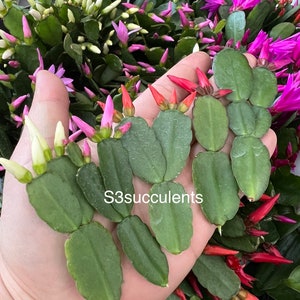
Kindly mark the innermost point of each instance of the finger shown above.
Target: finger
(145, 105)
(50, 105)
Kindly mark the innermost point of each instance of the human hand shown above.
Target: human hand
(32, 262)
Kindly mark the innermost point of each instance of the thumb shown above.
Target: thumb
(50, 105)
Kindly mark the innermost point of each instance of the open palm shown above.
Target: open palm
(32, 261)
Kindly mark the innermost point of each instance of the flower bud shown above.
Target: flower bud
(22, 174)
(39, 162)
(59, 139)
(33, 131)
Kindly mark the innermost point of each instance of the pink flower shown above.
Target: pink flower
(156, 18)
(137, 47)
(26, 29)
(107, 118)
(164, 57)
(121, 31)
(59, 72)
(10, 38)
(167, 12)
(148, 67)
(87, 129)
(183, 19)
(17, 102)
(90, 93)
(186, 8)
(212, 6)
(86, 70)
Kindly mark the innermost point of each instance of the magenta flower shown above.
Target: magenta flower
(255, 46)
(243, 4)
(121, 31)
(212, 6)
(284, 219)
(289, 100)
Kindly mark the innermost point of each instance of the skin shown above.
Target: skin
(32, 261)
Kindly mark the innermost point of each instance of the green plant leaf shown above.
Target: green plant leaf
(72, 50)
(173, 131)
(241, 118)
(57, 198)
(91, 29)
(287, 184)
(143, 250)
(210, 123)
(145, 153)
(213, 273)
(293, 280)
(282, 30)
(234, 227)
(270, 276)
(49, 30)
(246, 243)
(91, 183)
(171, 216)
(116, 173)
(232, 71)
(264, 87)
(213, 179)
(263, 121)
(6, 147)
(75, 154)
(27, 56)
(111, 70)
(93, 260)
(235, 26)
(256, 18)
(13, 22)
(184, 47)
(251, 166)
